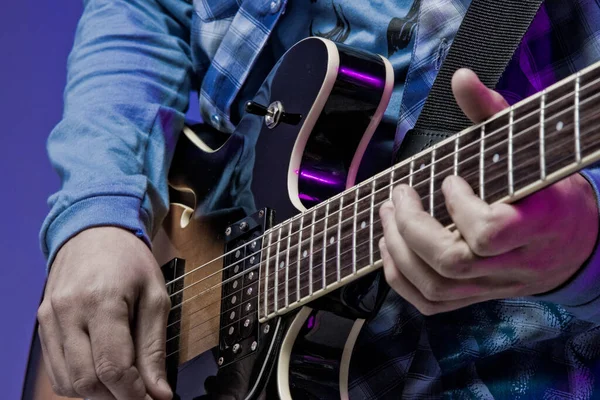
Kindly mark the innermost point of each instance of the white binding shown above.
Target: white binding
(333, 63)
(375, 120)
(283, 363)
(346, 356)
(195, 139)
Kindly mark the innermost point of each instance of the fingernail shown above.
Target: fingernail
(447, 184)
(398, 194)
(385, 208)
(165, 387)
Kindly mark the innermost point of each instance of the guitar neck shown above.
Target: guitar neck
(519, 151)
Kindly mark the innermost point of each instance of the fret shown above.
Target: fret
(324, 262)
(310, 263)
(422, 177)
(511, 187)
(456, 148)
(469, 157)
(525, 161)
(576, 117)
(391, 188)
(356, 199)
(371, 222)
(431, 183)
(482, 164)
(299, 257)
(559, 141)
(339, 241)
(287, 263)
(444, 167)
(411, 173)
(589, 94)
(276, 287)
(267, 272)
(543, 136)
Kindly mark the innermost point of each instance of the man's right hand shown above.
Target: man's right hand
(103, 319)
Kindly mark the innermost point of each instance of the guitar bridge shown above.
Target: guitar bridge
(239, 327)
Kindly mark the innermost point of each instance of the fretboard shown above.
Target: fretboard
(517, 152)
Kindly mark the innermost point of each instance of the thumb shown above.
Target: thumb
(474, 98)
(150, 340)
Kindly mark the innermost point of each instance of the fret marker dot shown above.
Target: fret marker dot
(332, 240)
(237, 254)
(422, 166)
(560, 126)
(232, 315)
(233, 300)
(235, 284)
(363, 225)
(305, 254)
(496, 158)
(281, 264)
(231, 330)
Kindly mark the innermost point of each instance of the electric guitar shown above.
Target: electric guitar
(281, 305)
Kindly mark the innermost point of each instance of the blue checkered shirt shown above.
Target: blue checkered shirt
(132, 67)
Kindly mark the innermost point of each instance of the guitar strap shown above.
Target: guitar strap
(485, 43)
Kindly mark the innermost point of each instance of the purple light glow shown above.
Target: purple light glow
(306, 197)
(318, 178)
(311, 322)
(368, 79)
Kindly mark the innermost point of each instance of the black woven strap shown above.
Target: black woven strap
(485, 43)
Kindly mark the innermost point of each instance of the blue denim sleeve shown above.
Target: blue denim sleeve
(581, 294)
(129, 77)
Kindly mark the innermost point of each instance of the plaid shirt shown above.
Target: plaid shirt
(129, 78)
(500, 349)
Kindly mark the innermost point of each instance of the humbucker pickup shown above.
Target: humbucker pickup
(239, 332)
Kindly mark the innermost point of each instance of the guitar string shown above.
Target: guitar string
(291, 221)
(213, 333)
(270, 291)
(466, 131)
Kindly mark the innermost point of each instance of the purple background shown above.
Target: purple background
(35, 38)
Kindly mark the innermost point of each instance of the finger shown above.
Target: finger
(438, 247)
(432, 286)
(474, 98)
(52, 351)
(55, 361)
(410, 293)
(489, 230)
(113, 352)
(80, 363)
(150, 341)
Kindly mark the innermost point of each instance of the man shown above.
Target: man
(133, 65)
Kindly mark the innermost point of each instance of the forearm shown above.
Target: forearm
(127, 91)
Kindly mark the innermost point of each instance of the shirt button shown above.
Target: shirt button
(275, 6)
(216, 120)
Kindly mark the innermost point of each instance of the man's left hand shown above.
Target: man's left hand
(497, 251)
